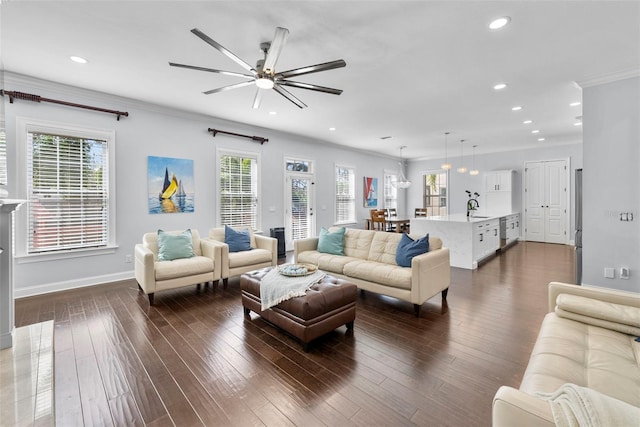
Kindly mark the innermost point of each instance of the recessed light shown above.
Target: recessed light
(498, 23)
(78, 59)
(273, 113)
(332, 129)
(575, 104)
(527, 122)
(540, 139)
(535, 131)
(516, 108)
(577, 124)
(500, 86)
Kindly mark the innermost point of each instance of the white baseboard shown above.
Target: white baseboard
(71, 284)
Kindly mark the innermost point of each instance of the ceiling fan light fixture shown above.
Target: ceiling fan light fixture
(264, 82)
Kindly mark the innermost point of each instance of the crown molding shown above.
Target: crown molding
(609, 78)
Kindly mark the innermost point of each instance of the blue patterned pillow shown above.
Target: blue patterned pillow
(409, 248)
(238, 241)
(174, 246)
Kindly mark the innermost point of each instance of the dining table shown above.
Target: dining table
(399, 223)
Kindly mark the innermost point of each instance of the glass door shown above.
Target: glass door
(299, 219)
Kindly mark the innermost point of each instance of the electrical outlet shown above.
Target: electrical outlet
(610, 273)
(128, 259)
(625, 272)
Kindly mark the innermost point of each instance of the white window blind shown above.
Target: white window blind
(300, 209)
(3, 155)
(390, 191)
(68, 190)
(239, 191)
(345, 195)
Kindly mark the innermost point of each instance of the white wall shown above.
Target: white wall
(157, 131)
(611, 177)
(513, 160)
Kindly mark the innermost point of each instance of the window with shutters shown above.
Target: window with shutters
(390, 191)
(238, 181)
(345, 194)
(3, 155)
(70, 187)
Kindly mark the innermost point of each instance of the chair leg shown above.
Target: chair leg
(444, 293)
(416, 309)
(225, 283)
(150, 299)
(215, 284)
(198, 287)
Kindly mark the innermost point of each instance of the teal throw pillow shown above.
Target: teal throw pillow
(174, 246)
(331, 243)
(238, 241)
(409, 248)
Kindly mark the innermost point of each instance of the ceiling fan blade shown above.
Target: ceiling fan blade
(279, 40)
(258, 98)
(311, 69)
(310, 87)
(223, 50)
(233, 86)
(210, 70)
(282, 91)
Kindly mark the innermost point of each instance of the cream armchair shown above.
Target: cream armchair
(263, 253)
(153, 275)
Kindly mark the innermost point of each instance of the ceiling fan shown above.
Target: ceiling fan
(264, 75)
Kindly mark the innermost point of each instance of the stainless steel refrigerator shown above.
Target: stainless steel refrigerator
(578, 223)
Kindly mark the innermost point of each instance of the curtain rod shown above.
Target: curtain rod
(259, 139)
(36, 98)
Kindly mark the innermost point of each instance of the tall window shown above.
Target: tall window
(345, 195)
(3, 155)
(435, 193)
(390, 191)
(69, 190)
(239, 190)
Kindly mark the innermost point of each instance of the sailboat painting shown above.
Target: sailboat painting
(370, 192)
(170, 185)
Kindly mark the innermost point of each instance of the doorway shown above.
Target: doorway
(546, 200)
(299, 201)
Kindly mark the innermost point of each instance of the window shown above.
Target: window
(3, 155)
(390, 191)
(345, 195)
(435, 193)
(69, 185)
(238, 190)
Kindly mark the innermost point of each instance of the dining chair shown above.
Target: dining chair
(378, 221)
(421, 212)
(393, 212)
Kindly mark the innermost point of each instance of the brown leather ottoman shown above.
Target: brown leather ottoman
(327, 305)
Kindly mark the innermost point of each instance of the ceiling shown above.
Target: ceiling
(415, 69)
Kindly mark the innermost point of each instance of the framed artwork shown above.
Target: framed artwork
(170, 185)
(370, 192)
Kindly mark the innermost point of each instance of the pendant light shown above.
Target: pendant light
(462, 168)
(446, 165)
(473, 170)
(402, 181)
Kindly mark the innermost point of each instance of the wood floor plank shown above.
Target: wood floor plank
(194, 359)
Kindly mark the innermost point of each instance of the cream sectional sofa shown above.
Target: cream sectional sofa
(586, 339)
(369, 261)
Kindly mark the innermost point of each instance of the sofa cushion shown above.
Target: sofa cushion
(378, 272)
(325, 262)
(409, 248)
(618, 317)
(567, 351)
(174, 245)
(182, 267)
(244, 258)
(238, 241)
(383, 247)
(357, 242)
(331, 242)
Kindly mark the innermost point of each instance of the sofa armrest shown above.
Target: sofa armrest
(430, 274)
(224, 256)
(615, 296)
(213, 249)
(513, 407)
(303, 245)
(144, 268)
(270, 244)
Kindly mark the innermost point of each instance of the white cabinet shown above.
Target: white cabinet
(510, 228)
(499, 188)
(486, 239)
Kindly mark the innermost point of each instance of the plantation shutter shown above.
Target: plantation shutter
(3, 156)
(300, 215)
(345, 195)
(238, 191)
(68, 190)
(390, 191)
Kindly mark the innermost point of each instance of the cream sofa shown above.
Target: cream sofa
(263, 253)
(370, 263)
(586, 339)
(153, 275)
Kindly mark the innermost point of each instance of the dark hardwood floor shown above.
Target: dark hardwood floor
(193, 359)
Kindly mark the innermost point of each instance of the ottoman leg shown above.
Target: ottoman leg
(306, 347)
(247, 311)
(350, 326)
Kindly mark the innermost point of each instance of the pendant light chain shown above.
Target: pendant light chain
(446, 165)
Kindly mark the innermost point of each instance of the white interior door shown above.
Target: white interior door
(299, 209)
(546, 201)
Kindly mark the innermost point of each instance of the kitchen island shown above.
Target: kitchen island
(470, 239)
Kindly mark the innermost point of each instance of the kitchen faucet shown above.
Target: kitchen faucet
(472, 203)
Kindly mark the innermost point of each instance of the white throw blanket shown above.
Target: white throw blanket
(575, 406)
(275, 288)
